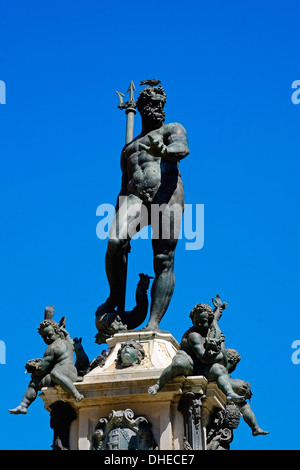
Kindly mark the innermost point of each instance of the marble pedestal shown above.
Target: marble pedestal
(116, 397)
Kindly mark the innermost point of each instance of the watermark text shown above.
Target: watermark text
(296, 94)
(296, 354)
(2, 352)
(164, 222)
(2, 92)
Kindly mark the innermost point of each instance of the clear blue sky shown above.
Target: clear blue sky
(227, 68)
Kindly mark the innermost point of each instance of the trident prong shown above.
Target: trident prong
(121, 96)
(131, 89)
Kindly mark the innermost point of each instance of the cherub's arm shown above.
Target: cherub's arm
(196, 343)
(48, 361)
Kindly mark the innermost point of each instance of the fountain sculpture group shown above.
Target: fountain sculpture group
(146, 391)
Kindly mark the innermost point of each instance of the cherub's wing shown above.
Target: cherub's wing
(63, 322)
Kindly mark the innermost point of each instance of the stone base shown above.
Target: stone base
(112, 390)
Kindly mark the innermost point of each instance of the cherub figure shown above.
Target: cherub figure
(55, 368)
(241, 386)
(201, 353)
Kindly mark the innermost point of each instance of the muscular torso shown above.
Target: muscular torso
(145, 173)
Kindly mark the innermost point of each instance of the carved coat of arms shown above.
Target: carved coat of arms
(122, 431)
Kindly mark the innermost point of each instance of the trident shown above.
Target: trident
(130, 110)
